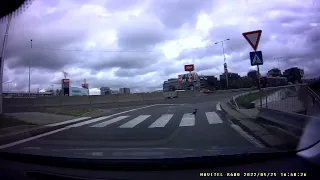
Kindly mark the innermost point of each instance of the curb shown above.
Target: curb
(235, 121)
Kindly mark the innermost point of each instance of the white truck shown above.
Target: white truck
(170, 94)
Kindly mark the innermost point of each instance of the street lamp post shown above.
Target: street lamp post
(278, 58)
(2, 58)
(224, 58)
(30, 70)
(9, 84)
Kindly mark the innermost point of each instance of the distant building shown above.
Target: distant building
(105, 91)
(268, 81)
(190, 81)
(124, 90)
(114, 92)
(231, 77)
(13, 94)
(208, 82)
(171, 85)
(78, 91)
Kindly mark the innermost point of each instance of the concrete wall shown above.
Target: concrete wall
(129, 97)
(47, 101)
(103, 99)
(152, 96)
(74, 100)
(182, 94)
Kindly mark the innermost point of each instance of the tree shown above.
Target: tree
(253, 74)
(274, 72)
(246, 82)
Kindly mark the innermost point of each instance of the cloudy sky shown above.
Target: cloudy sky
(141, 43)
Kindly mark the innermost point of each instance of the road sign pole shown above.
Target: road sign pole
(259, 85)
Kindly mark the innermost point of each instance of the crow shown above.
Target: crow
(195, 111)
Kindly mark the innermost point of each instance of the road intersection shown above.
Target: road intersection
(158, 125)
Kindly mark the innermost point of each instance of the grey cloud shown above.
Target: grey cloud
(39, 79)
(130, 72)
(236, 43)
(142, 34)
(174, 13)
(297, 41)
(19, 44)
(42, 59)
(127, 60)
(115, 5)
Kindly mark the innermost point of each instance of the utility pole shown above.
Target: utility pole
(224, 59)
(30, 69)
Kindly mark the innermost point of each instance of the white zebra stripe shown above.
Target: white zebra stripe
(188, 119)
(162, 121)
(69, 121)
(134, 121)
(105, 123)
(213, 118)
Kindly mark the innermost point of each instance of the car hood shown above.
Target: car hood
(138, 153)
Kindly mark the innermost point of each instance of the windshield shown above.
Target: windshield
(159, 78)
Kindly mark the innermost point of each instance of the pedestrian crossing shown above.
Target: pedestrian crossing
(130, 121)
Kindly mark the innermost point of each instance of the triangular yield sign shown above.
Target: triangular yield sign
(256, 60)
(253, 38)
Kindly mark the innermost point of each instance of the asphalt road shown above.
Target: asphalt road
(158, 126)
(199, 99)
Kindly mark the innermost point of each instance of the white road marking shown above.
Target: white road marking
(247, 136)
(218, 106)
(68, 121)
(97, 119)
(62, 129)
(32, 138)
(105, 123)
(89, 121)
(213, 118)
(134, 121)
(188, 119)
(162, 121)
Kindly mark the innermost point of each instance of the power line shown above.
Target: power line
(113, 51)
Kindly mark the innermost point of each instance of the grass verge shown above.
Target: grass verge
(69, 111)
(245, 101)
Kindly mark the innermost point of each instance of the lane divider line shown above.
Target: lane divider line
(68, 121)
(97, 119)
(32, 138)
(61, 129)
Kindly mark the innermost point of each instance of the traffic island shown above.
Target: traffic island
(76, 112)
(18, 126)
(269, 137)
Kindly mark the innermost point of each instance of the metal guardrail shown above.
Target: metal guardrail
(314, 95)
(282, 96)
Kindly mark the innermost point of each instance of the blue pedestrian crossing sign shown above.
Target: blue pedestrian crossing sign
(256, 58)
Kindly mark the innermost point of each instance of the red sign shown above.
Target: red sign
(85, 86)
(65, 81)
(189, 67)
(253, 38)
